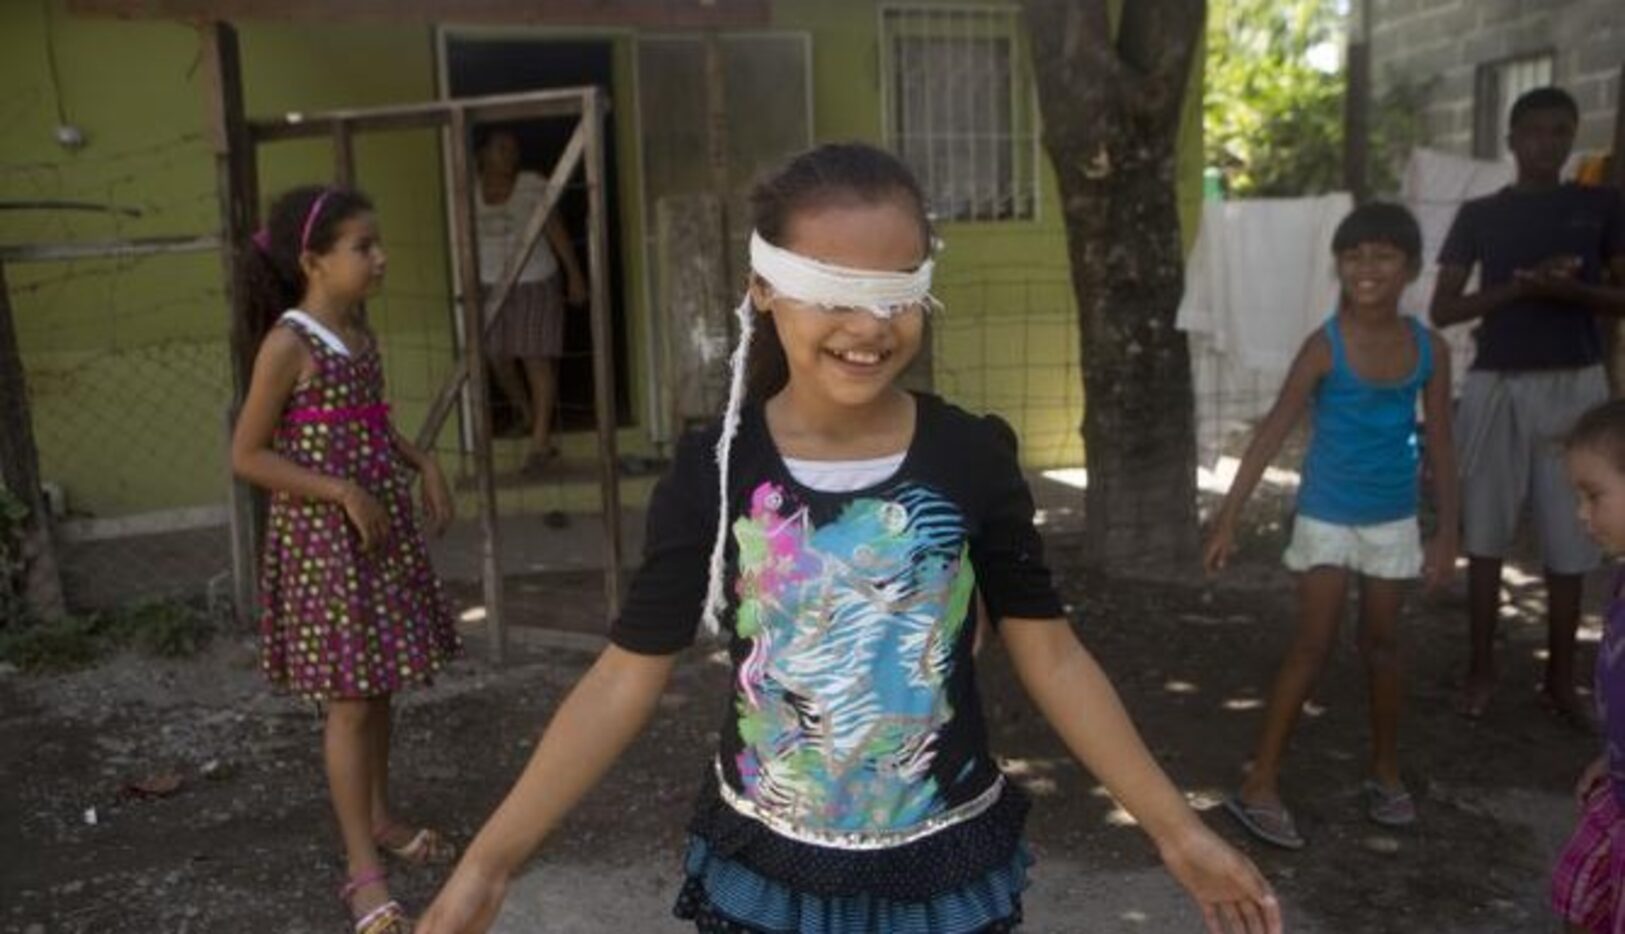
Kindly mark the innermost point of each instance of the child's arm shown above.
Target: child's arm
(282, 359)
(1451, 304)
(1075, 696)
(1441, 453)
(437, 502)
(1313, 362)
(1559, 283)
(605, 711)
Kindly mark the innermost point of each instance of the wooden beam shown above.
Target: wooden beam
(495, 107)
(463, 231)
(603, 352)
(655, 14)
(1614, 328)
(1617, 155)
(1357, 103)
(107, 249)
(237, 188)
(343, 154)
(557, 179)
(19, 470)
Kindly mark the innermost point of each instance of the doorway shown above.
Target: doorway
(485, 65)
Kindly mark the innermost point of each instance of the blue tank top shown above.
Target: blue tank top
(1361, 468)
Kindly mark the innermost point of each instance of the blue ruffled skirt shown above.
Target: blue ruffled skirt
(722, 895)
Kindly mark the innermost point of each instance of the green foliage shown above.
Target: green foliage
(1272, 122)
(169, 629)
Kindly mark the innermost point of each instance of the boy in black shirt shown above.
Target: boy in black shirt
(1545, 252)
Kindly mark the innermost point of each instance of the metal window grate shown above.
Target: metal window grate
(1499, 85)
(958, 105)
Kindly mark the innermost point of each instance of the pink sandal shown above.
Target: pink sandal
(426, 848)
(388, 918)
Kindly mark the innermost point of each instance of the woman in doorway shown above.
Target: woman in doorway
(529, 329)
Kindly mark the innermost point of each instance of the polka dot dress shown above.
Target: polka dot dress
(338, 622)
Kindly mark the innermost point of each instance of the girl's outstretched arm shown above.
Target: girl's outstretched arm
(1313, 362)
(605, 711)
(1441, 454)
(1075, 696)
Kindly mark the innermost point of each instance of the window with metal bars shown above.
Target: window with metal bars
(958, 107)
(1499, 84)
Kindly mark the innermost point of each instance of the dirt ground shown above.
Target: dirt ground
(246, 844)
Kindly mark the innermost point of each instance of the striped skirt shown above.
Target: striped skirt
(1586, 882)
(530, 325)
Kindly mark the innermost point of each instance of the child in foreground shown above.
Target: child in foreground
(837, 531)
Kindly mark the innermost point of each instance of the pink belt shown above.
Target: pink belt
(377, 413)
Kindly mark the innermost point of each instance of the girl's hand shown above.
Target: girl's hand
(1221, 544)
(467, 903)
(1439, 563)
(438, 505)
(1595, 774)
(369, 518)
(1234, 897)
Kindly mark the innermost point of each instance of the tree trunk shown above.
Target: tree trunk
(1111, 109)
(19, 473)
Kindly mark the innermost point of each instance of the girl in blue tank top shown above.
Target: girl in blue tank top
(1359, 377)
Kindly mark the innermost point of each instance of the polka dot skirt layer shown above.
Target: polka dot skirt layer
(337, 621)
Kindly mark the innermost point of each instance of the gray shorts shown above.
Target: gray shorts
(1509, 440)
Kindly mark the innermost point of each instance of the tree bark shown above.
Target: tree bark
(19, 471)
(1111, 107)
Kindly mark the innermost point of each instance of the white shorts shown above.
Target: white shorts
(1391, 550)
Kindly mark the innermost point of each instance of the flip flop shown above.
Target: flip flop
(1271, 823)
(1390, 807)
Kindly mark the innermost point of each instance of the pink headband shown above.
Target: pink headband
(310, 218)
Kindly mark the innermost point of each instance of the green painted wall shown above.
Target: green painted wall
(126, 360)
(1008, 340)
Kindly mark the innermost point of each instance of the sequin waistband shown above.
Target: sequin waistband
(377, 412)
(857, 839)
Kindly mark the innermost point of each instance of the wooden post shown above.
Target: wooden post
(1617, 156)
(1615, 329)
(716, 138)
(1357, 103)
(603, 356)
(237, 186)
(19, 469)
(343, 154)
(463, 229)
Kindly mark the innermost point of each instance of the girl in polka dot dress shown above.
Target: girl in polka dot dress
(351, 610)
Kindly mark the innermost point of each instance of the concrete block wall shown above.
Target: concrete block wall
(1439, 44)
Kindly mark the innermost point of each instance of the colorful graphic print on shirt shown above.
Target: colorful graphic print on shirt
(852, 625)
